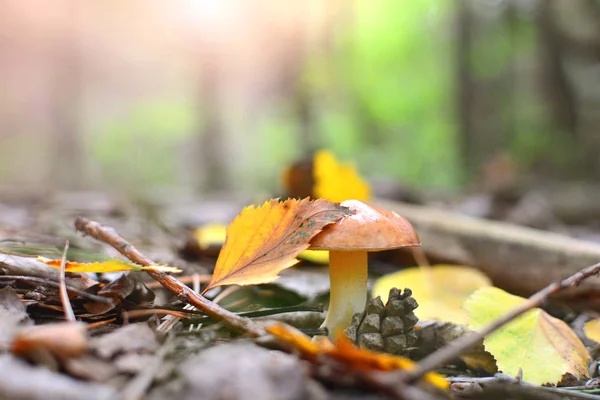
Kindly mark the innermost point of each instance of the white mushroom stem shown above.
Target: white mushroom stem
(348, 283)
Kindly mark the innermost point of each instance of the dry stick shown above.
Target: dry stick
(170, 321)
(110, 236)
(185, 280)
(62, 288)
(453, 349)
(81, 293)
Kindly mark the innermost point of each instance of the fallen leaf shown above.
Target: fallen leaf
(210, 235)
(298, 179)
(133, 338)
(592, 330)
(544, 347)
(13, 314)
(315, 256)
(105, 266)
(214, 235)
(63, 339)
(440, 290)
(337, 182)
(126, 289)
(346, 352)
(296, 339)
(263, 241)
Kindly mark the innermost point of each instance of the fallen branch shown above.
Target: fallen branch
(453, 349)
(110, 236)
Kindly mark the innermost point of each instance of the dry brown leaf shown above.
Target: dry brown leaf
(346, 352)
(63, 339)
(263, 241)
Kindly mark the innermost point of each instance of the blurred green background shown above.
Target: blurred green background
(221, 96)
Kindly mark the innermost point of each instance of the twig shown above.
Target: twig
(100, 299)
(535, 391)
(225, 293)
(185, 280)
(152, 311)
(184, 293)
(171, 320)
(62, 287)
(453, 349)
(263, 313)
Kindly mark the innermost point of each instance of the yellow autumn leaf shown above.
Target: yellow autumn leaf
(210, 235)
(105, 266)
(337, 182)
(213, 235)
(592, 330)
(345, 351)
(315, 256)
(544, 347)
(263, 241)
(440, 290)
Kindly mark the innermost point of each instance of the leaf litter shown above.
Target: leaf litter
(119, 350)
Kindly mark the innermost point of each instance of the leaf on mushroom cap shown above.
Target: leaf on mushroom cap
(263, 241)
(369, 228)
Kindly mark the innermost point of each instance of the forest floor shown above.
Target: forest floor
(134, 339)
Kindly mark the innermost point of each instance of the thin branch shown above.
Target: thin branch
(110, 236)
(264, 313)
(453, 349)
(81, 293)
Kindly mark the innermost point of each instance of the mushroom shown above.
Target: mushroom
(349, 240)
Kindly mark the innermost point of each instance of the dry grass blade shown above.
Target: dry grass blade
(62, 288)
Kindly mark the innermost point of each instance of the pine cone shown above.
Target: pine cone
(386, 328)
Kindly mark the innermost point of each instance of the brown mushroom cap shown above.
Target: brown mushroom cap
(369, 228)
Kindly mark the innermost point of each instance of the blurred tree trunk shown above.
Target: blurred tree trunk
(485, 104)
(569, 34)
(67, 167)
(211, 163)
(464, 101)
(556, 89)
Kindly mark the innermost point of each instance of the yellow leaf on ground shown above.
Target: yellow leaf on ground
(315, 256)
(105, 266)
(544, 347)
(592, 330)
(210, 235)
(346, 352)
(440, 290)
(337, 182)
(263, 241)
